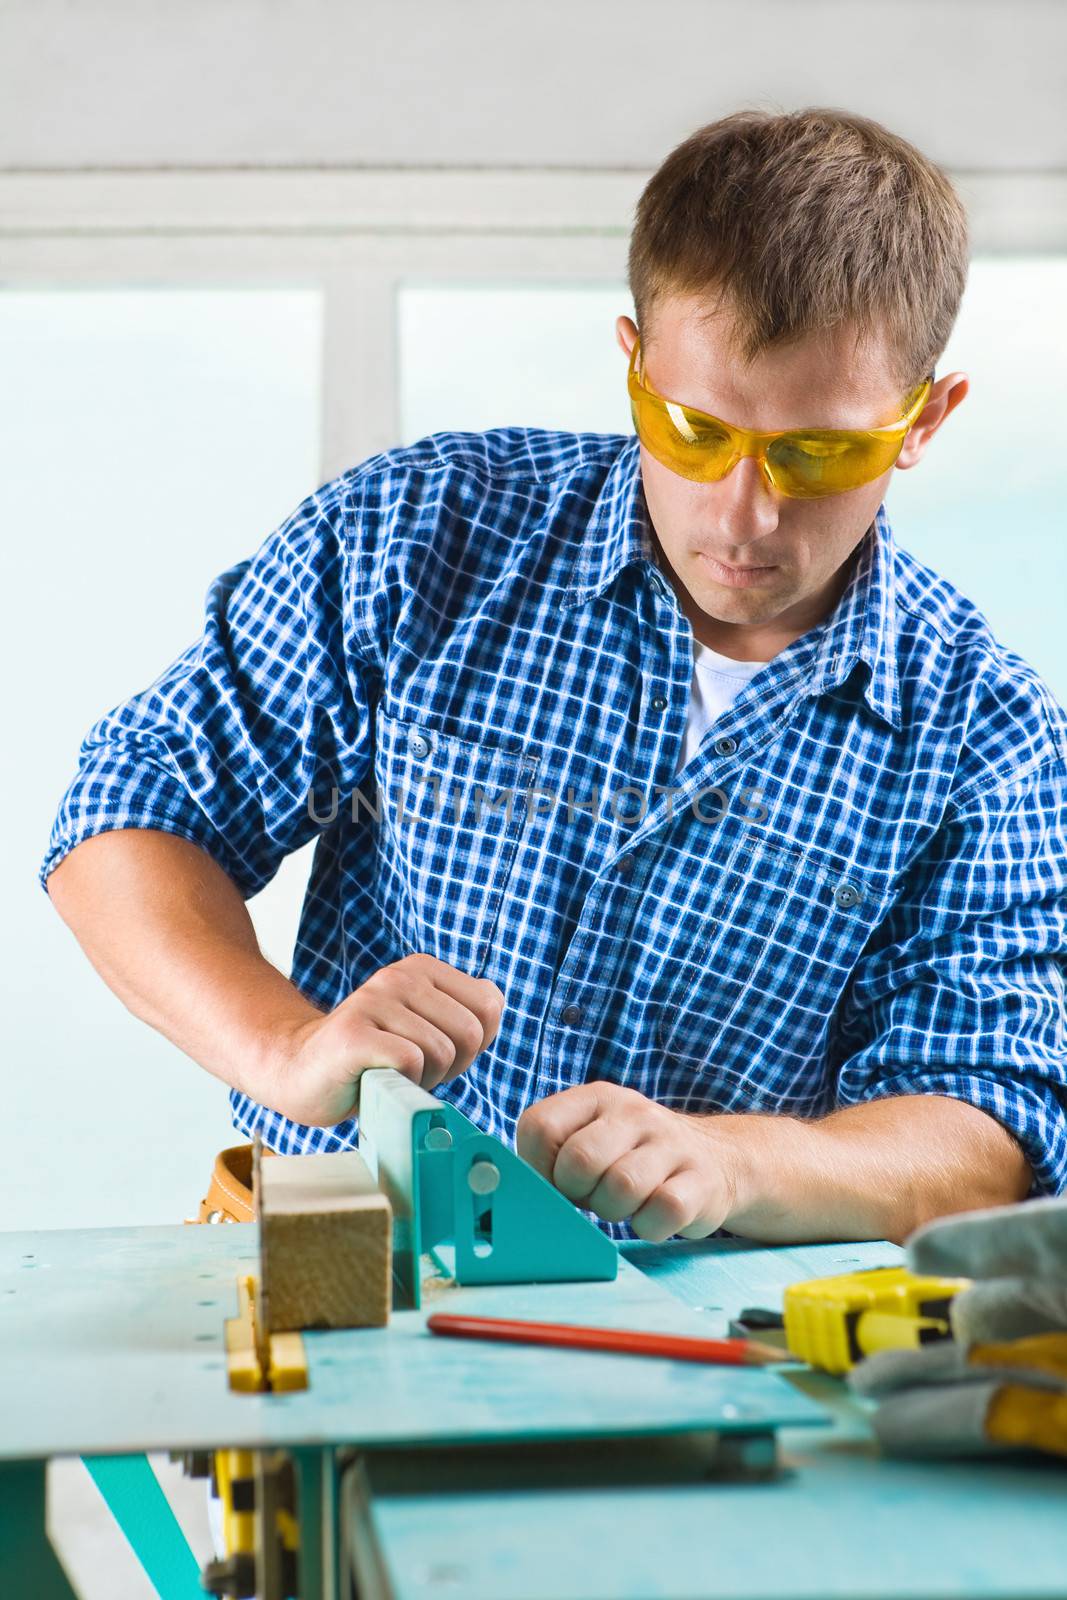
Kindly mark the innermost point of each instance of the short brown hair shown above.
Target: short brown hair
(803, 220)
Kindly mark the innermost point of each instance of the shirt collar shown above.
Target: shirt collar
(617, 531)
(862, 626)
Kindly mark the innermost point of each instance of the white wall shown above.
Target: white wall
(498, 83)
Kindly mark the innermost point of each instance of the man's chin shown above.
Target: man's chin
(736, 605)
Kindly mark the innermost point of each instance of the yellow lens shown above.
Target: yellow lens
(687, 442)
(808, 465)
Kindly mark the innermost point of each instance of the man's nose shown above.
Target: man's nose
(745, 504)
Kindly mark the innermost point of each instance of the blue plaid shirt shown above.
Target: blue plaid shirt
(460, 667)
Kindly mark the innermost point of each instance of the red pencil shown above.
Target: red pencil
(628, 1341)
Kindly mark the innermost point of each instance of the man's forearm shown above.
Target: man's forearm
(871, 1171)
(169, 932)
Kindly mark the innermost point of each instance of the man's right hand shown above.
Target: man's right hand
(420, 1015)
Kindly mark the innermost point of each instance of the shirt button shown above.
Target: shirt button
(846, 894)
(624, 866)
(726, 746)
(659, 702)
(419, 746)
(571, 1016)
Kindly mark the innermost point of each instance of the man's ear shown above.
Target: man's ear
(945, 396)
(625, 333)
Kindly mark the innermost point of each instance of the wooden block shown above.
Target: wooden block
(326, 1243)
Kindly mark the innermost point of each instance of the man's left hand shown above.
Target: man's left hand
(618, 1154)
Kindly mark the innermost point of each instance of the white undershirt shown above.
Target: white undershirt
(717, 681)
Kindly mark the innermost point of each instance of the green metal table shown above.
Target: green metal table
(433, 1467)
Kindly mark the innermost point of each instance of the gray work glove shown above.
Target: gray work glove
(1001, 1382)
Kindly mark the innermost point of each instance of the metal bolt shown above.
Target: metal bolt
(483, 1178)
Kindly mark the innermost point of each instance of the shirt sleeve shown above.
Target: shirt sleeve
(961, 990)
(243, 743)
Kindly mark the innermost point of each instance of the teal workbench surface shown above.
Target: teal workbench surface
(112, 1340)
(840, 1520)
(508, 1472)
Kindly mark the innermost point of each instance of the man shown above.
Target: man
(672, 819)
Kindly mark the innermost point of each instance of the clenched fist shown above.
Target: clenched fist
(617, 1153)
(420, 1015)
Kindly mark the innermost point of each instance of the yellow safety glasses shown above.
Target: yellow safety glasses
(800, 462)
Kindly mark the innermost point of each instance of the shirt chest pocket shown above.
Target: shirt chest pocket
(451, 813)
(767, 947)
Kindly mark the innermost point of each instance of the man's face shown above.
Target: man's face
(754, 569)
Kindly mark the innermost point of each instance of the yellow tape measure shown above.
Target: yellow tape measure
(834, 1322)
